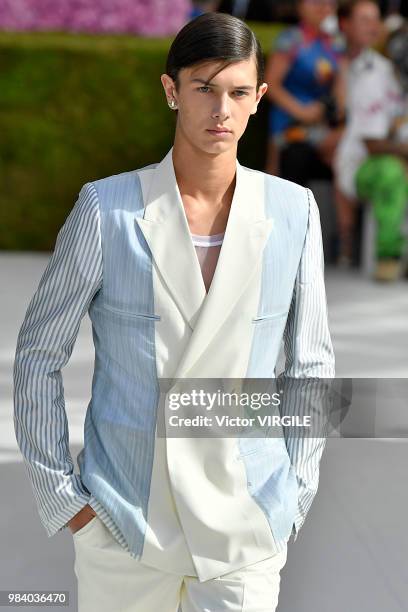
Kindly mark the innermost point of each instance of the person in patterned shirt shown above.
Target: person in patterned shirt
(304, 74)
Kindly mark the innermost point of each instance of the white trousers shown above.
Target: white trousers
(110, 580)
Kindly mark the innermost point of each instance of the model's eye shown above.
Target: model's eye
(204, 89)
(240, 92)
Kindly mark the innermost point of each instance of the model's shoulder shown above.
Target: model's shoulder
(123, 190)
(284, 198)
(288, 187)
(279, 186)
(122, 178)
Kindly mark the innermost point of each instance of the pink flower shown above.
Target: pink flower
(144, 17)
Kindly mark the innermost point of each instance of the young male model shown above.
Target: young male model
(195, 267)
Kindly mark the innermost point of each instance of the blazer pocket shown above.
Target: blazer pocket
(132, 315)
(269, 317)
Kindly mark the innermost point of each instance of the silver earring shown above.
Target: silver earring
(172, 104)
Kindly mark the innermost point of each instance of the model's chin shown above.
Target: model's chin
(218, 145)
(210, 145)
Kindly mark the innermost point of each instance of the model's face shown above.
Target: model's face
(213, 116)
(313, 12)
(363, 28)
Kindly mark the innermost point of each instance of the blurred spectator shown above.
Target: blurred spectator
(153, 18)
(372, 156)
(307, 90)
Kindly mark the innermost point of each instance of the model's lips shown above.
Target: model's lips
(220, 133)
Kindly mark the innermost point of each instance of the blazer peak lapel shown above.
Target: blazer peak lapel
(165, 228)
(246, 235)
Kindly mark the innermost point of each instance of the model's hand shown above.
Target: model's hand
(81, 518)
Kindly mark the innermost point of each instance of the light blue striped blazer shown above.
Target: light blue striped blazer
(125, 257)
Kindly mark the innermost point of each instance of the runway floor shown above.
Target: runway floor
(351, 553)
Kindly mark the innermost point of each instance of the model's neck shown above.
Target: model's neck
(201, 175)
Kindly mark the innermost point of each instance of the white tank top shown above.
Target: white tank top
(208, 249)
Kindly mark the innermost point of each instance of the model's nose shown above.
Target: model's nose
(221, 110)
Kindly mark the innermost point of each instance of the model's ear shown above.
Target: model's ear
(169, 88)
(261, 91)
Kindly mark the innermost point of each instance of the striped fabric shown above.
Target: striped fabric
(102, 265)
(309, 355)
(72, 278)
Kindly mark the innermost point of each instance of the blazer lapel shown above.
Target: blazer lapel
(246, 234)
(165, 227)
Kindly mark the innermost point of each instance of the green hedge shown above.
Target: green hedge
(76, 108)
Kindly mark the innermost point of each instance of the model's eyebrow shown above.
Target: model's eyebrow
(214, 85)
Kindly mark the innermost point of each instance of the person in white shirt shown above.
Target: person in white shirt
(370, 162)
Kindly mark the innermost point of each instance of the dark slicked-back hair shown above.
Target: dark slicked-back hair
(211, 37)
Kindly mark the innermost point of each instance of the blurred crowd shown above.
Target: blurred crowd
(278, 10)
(338, 93)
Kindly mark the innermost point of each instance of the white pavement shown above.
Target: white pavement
(351, 554)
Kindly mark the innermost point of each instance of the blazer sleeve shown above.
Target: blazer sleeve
(44, 346)
(309, 363)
